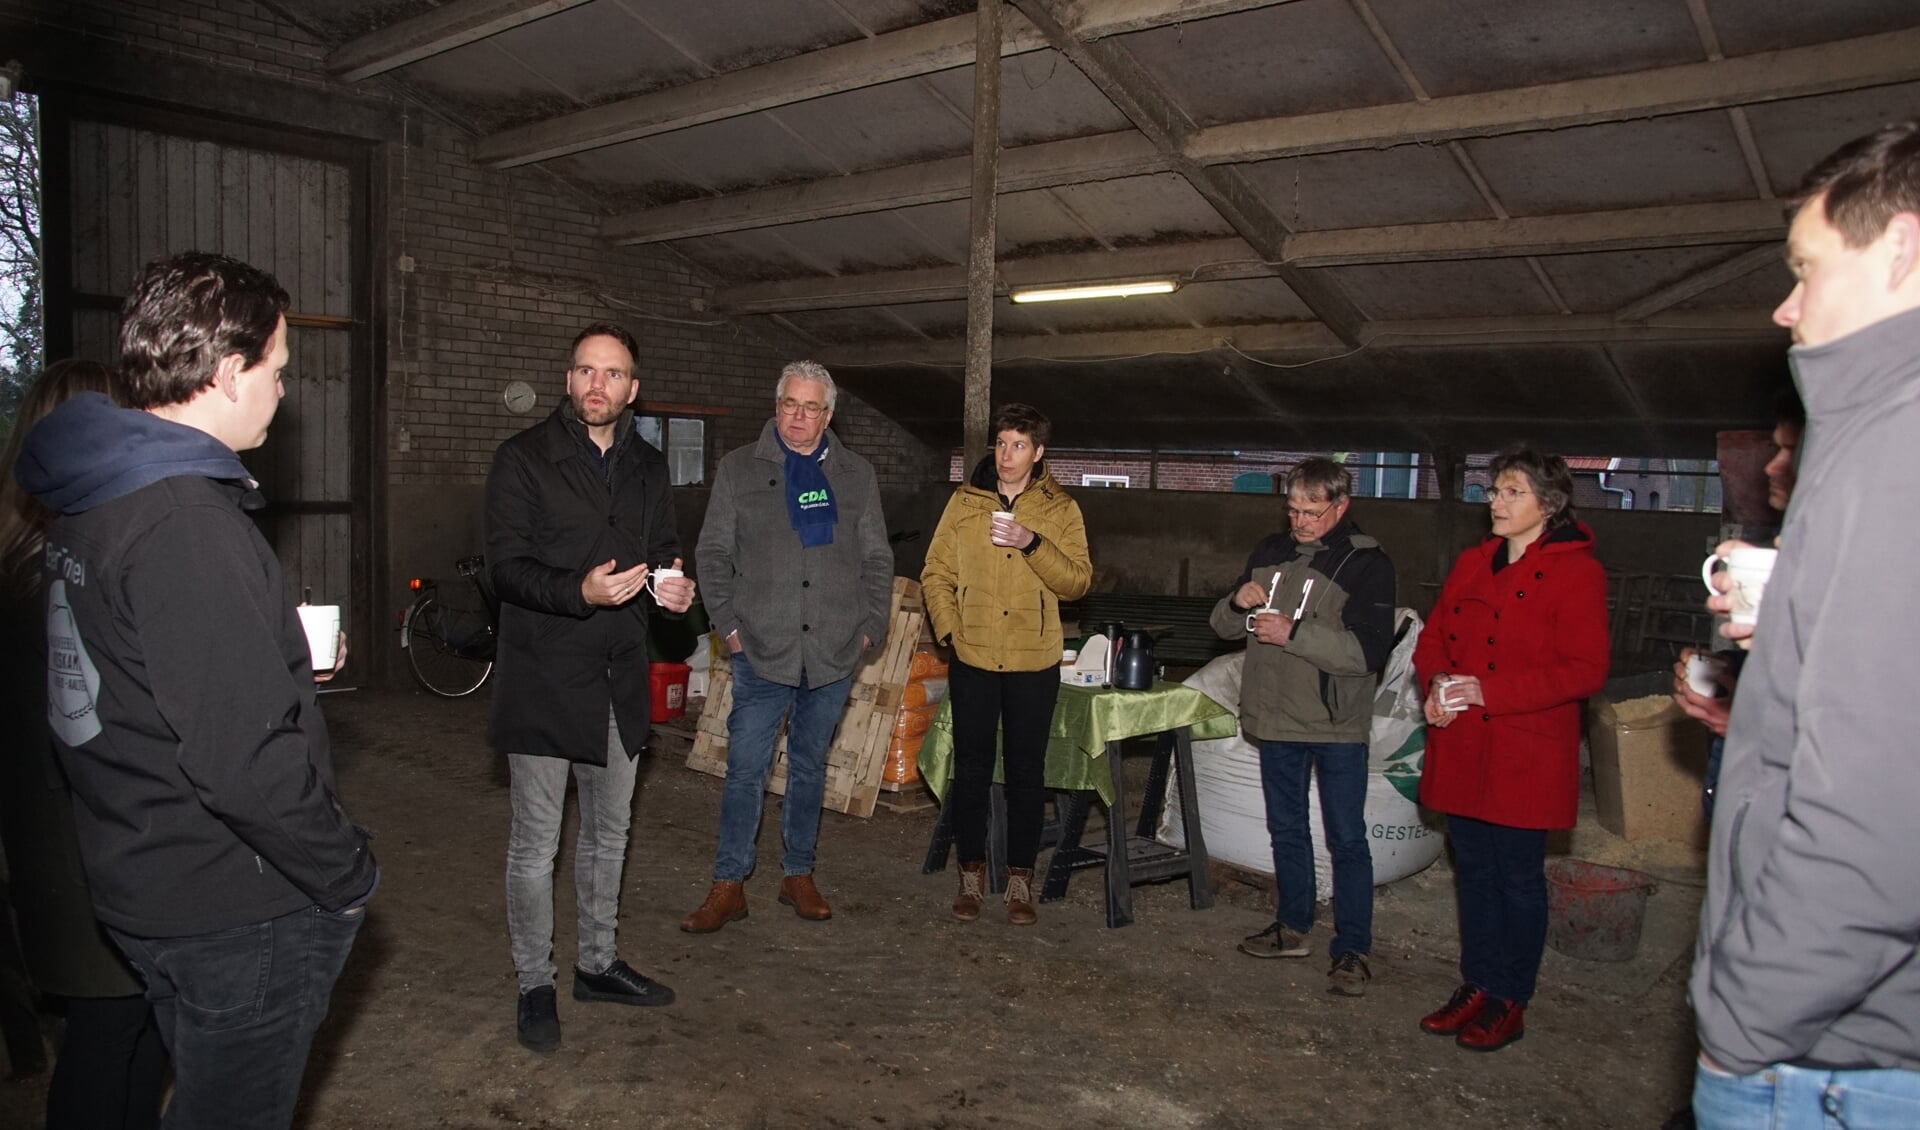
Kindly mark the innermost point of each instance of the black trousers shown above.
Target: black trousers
(112, 1066)
(1016, 706)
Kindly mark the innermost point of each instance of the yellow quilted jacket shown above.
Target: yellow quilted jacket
(999, 607)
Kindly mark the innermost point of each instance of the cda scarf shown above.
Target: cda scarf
(810, 505)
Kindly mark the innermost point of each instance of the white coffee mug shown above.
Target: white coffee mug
(1259, 612)
(322, 624)
(664, 573)
(1445, 683)
(1703, 674)
(1748, 567)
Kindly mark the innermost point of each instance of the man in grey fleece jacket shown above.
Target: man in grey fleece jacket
(1805, 982)
(798, 575)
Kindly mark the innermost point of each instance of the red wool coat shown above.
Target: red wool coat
(1536, 635)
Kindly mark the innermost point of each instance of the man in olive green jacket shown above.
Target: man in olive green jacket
(1316, 608)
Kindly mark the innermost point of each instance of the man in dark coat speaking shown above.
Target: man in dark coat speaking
(579, 513)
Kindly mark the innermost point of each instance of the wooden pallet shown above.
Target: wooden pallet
(907, 796)
(857, 753)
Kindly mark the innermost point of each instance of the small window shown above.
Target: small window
(1475, 492)
(1106, 480)
(684, 444)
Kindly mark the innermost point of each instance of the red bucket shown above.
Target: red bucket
(669, 686)
(1595, 912)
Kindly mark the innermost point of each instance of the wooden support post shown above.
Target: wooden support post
(980, 232)
(1446, 468)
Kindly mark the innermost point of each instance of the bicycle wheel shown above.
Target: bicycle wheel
(450, 649)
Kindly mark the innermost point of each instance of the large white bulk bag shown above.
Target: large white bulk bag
(1233, 809)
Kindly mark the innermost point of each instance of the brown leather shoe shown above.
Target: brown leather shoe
(973, 891)
(798, 892)
(1020, 910)
(725, 903)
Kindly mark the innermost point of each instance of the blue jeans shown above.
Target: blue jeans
(1342, 767)
(1805, 1098)
(237, 1010)
(1500, 876)
(752, 726)
(538, 792)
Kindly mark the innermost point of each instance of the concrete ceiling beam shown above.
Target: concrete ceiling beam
(1846, 65)
(1080, 160)
(1798, 72)
(1307, 341)
(452, 24)
(1214, 260)
(919, 50)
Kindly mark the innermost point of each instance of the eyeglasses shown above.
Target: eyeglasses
(788, 406)
(1300, 515)
(614, 376)
(1506, 494)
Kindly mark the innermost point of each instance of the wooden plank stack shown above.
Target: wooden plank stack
(857, 754)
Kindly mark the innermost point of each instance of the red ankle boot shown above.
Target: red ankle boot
(1500, 1023)
(1457, 1013)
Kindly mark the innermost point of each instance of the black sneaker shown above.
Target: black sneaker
(1276, 941)
(1349, 975)
(538, 1022)
(620, 984)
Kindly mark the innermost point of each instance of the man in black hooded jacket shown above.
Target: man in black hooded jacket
(181, 696)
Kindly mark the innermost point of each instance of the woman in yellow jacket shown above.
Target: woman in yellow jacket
(1011, 546)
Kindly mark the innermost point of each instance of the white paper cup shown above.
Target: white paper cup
(1001, 519)
(654, 576)
(1446, 699)
(1748, 568)
(1703, 674)
(322, 623)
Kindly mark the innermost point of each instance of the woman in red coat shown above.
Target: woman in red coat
(1518, 637)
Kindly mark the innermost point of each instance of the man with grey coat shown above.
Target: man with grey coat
(1806, 976)
(798, 576)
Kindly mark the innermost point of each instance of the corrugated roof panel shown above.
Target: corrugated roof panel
(1287, 59)
(1497, 44)
(1408, 184)
(1769, 25)
(1467, 288)
(1601, 281)
(1682, 159)
(1795, 135)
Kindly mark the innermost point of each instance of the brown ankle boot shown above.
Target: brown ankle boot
(725, 903)
(1020, 910)
(973, 891)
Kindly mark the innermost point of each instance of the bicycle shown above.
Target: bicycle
(449, 637)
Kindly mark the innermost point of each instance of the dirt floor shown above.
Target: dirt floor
(892, 1014)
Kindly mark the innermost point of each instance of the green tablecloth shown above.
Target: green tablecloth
(1084, 721)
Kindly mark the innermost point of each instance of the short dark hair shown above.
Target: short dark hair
(1023, 418)
(1867, 182)
(1320, 477)
(1790, 410)
(187, 312)
(606, 329)
(1547, 476)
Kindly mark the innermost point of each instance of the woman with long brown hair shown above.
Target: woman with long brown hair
(111, 1063)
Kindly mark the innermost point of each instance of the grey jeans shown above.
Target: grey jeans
(606, 809)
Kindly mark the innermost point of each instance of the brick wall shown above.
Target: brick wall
(506, 267)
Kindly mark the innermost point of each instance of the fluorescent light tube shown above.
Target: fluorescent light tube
(1095, 290)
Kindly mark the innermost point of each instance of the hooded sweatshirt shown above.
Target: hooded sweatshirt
(1808, 938)
(180, 690)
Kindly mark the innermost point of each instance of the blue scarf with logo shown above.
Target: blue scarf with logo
(810, 505)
